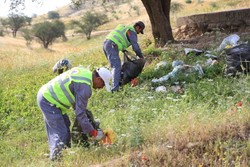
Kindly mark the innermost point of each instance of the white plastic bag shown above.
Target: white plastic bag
(230, 41)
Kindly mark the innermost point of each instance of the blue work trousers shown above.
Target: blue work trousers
(112, 53)
(57, 126)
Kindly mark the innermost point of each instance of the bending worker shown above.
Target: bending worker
(69, 89)
(119, 40)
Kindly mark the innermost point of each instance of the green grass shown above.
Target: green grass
(144, 121)
(200, 127)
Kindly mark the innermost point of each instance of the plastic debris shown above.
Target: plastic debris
(160, 64)
(177, 63)
(229, 42)
(177, 89)
(210, 56)
(184, 68)
(190, 50)
(211, 62)
(161, 89)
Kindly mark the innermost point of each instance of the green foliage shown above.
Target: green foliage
(1, 32)
(27, 36)
(188, 1)
(89, 22)
(175, 7)
(28, 19)
(53, 15)
(191, 128)
(15, 22)
(135, 8)
(214, 5)
(232, 3)
(47, 32)
(141, 118)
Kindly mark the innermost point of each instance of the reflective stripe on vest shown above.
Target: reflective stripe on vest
(60, 87)
(118, 36)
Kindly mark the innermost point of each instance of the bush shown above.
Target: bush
(1, 33)
(53, 15)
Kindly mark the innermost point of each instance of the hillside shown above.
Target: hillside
(194, 120)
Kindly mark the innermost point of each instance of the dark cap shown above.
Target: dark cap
(140, 24)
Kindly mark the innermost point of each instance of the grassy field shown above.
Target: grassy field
(207, 124)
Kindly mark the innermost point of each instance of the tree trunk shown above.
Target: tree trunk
(158, 12)
(88, 35)
(45, 44)
(14, 34)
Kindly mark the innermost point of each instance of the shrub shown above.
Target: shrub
(189, 1)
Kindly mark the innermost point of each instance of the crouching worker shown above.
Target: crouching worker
(119, 40)
(61, 66)
(72, 88)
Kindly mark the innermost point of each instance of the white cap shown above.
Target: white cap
(105, 74)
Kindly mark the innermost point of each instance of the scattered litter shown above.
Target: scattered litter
(199, 52)
(72, 152)
(160, 64)
(180, 68)
(177, 89)
(177, 63)
(161, 89)
(190, 50)
(229, 42)
(211, 62)
(194, 144)
(123, 135)
(112, 110)
(210, 56)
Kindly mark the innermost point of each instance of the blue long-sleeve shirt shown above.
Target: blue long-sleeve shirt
(82, 93)
(132, 37)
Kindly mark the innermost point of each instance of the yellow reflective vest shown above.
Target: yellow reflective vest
(119, 37)
(57, 90)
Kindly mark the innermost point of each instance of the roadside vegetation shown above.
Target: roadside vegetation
(207, 123)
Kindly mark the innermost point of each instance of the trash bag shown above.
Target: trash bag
(238, 59)
(77, 136)
(131, 69)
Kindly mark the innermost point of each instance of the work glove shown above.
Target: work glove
(97, 134)
(134, 82)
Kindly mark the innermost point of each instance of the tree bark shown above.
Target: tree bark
(158, 12)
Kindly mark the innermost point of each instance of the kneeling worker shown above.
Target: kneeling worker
(70, 89)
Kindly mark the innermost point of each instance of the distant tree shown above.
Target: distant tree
(1, 32)
(28, 20)
(158, 12)
(176, 7)
(26, 33)
(47, 32)
(53, 15)
(89, 22)
(4, 25)
(15, 22)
